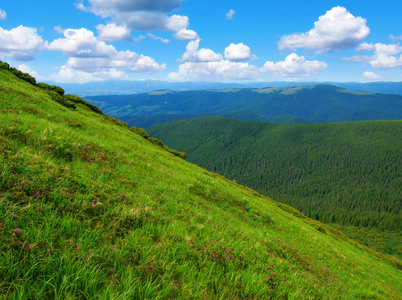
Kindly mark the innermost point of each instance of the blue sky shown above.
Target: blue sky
(194, 40)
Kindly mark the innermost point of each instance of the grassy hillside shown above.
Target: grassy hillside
(321, 103)
(345, 173)
(89, 209)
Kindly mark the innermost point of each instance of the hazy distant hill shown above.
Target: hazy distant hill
(321, 103)
(124, 87)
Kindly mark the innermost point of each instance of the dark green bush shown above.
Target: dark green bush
(117, 122)
(4, 65)
(57, 89)
(24, 76)
(142, 132)
(155, 141)
(61, 99)
(76, 99)
(53, 88)
(183, 155)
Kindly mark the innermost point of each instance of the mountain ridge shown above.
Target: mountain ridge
(321, 103)
(121, 87)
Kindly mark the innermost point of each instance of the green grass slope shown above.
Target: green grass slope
(345, 173)
(92, 210)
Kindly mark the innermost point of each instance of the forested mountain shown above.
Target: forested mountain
(347, 173)
(126, 87)
(321, 103)
(91, 208)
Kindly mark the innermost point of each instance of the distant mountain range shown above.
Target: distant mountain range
(319, 103)
(119, 87)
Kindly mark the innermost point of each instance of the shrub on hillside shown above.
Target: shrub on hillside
(24, 76)
(4, 65)
(76, 99)
(62, 100)
(142, 132)
(53, 88)
(155, 141)
(117, 121)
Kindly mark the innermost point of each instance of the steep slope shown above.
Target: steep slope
(346, 173)
(321, 103)
(90, 209)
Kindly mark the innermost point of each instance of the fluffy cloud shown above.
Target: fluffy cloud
(186, 35)
(92, 59)
(365, 47)
(154, 37)
(294, 66)
(385, 56)
(371, 76)
(205, 64)
(3, 15)
(68, 75)
(193, 54)
(124, 60)
(81, 43)
(230, 14)
(139, 14)
(113, 32)
(218, 70)
(338, 29)
(20, 43)
(106, 8)
(238, 52)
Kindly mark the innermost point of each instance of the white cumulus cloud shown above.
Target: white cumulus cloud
(20, 43)
(205, 64)
(230, 14)
(81, 43)
(365, 47)
(193, 54)
(371, 76)
(138, 14)
(239, 52)
(218, 70)
(112, 32)
(386, 56)
(3, 14)
(68, 75)
(338, 29)
(186, 35)
(93, 59)
(293, 66)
